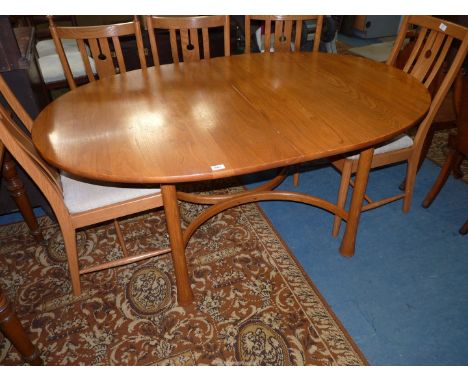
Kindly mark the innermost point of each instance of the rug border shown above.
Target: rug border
(299, 266)
(314, 287)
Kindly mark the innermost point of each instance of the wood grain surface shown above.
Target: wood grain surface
(241, 113)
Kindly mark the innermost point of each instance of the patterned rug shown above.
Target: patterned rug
(254, 305)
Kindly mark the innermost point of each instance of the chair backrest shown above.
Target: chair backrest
(187, 27)
(435, 38)
(15, 105)
(104, 45)
(20, 145)
(283, 32)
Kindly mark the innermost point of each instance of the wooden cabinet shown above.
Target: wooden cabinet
(369, 26)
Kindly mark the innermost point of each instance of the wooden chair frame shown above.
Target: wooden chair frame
(188, 27)
(47, 179)
(424, 63)
(282, 42)
(97, 38)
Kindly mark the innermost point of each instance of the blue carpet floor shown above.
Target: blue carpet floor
(17, 217)
(403, 297)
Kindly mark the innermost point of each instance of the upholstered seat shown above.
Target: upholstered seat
(52, 69)
(104, 55)
(403, 141)
(47, 47)
(81, 195)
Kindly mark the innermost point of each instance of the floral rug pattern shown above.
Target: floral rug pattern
(253, 303)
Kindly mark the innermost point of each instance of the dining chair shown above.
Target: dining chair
(99, 52)
(184, 35)
(458, 150)
(76, 202)
(435, 38)
(286, 36)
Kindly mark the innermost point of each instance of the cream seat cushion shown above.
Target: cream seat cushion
(402, 141)
(52, 70)
(47, 47)
(82, 196)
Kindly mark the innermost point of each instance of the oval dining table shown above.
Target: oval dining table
(229, 116)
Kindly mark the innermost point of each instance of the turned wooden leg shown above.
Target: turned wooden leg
(18, 192)
(171, 209)
(11, 327)
(348, 243)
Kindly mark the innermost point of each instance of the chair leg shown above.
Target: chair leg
(296, 177)
(409, 184)
(425, 149)
(342, 193)
(441, 179)
(69, 238)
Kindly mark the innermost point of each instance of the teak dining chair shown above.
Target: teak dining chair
(284, 32)
(99, 48)
(187, 28)
(76, 202)
(435, 38)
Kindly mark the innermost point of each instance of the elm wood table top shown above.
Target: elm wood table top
(172, 123)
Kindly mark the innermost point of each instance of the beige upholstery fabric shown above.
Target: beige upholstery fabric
(82, 196)
(401, 142)
(47, 47)
(52, 70)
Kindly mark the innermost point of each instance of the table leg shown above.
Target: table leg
(171, 208)
(349, 239)
(11, 327)
(18, 192)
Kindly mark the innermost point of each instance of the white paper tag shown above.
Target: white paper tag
(442, 27)
(218, 167)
